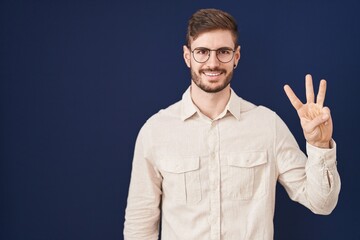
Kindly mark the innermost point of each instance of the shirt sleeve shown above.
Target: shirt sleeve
(143, 205)
(311, 180)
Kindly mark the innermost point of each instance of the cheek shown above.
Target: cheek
(230, 68)
(194, 66)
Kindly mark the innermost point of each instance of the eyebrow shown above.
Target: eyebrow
(227, 48)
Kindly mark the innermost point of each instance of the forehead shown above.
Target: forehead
(214, 39)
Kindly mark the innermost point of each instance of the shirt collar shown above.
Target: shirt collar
(188, 108)
(234, 105)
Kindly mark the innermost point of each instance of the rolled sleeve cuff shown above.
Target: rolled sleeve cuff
(326, 156)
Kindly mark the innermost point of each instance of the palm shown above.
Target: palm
(315, 119)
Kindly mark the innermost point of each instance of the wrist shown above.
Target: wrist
(321, 144)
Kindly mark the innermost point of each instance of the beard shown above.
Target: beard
(196, 78)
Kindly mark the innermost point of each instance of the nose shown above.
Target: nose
(212, 61)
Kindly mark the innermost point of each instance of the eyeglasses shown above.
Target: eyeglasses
(202, 54)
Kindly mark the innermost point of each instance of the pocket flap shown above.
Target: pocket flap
(179, 164)
(247, 159)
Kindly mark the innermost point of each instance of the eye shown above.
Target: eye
(224, 51)
(201, 51)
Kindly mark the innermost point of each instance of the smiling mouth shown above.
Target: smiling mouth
(212, 73)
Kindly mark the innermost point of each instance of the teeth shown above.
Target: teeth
(211, 74)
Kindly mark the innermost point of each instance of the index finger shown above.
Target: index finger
(297, 104)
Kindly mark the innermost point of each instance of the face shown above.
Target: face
(212, 76)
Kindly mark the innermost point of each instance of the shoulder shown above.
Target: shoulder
(171, 112)
(164, 116)
(261, 116)
(251, 108)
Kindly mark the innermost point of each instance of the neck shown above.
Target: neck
(210, 104)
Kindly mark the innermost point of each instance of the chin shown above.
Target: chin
(214, 89)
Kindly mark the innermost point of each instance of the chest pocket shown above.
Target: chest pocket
(244, 175)
(181, 179)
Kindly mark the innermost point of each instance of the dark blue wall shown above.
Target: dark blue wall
(79, 78)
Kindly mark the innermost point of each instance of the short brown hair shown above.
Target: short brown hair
(205, 20)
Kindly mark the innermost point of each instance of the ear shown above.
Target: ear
(237, 55)
(187, 55)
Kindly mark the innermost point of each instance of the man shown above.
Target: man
(209, 163)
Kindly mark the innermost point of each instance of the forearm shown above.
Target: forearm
(141, 220)
(316, 184)
(143, 205)
(322, 179)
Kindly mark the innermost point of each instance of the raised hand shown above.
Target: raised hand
(315, 119)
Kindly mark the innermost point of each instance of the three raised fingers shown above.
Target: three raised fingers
(309, 88)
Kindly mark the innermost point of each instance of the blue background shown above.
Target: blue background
(79, 79)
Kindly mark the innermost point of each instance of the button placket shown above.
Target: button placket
(214, 179)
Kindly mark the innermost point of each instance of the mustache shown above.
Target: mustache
(212, 70)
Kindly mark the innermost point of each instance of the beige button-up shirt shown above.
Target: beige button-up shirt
(216, 179)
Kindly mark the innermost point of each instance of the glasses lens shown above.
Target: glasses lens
(225, 55)
(201, 54)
